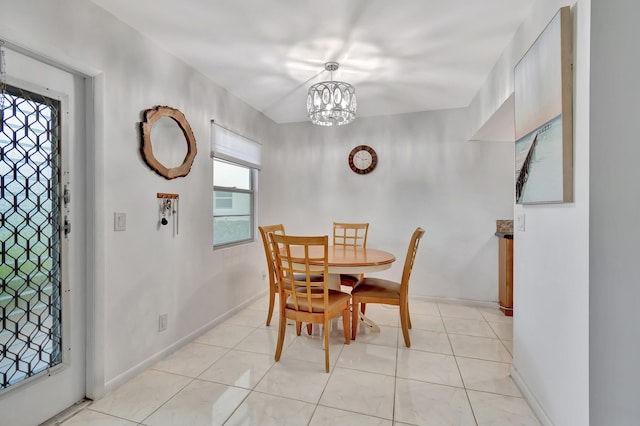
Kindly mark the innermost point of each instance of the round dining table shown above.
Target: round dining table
(348, 260)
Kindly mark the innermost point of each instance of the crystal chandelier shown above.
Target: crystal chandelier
(331, 103)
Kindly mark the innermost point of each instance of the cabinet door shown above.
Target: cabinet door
(505, 275)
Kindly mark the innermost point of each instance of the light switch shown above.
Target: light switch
(119, 221)
(520, 222)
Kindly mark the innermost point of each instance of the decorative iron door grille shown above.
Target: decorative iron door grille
(30, 296)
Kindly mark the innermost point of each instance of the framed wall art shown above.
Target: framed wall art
(543, 84)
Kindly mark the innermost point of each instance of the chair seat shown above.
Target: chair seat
(314, 278)
(377, 287)
(336, 298)
(349, 280)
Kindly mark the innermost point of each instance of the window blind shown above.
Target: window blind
(231, 146)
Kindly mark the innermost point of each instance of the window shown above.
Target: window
(236, 161)
(233, 203)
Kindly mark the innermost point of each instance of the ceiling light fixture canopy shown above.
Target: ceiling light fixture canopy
(331, 103)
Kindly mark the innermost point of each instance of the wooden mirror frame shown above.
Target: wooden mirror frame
(152, 115)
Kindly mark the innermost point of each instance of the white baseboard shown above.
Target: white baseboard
(468, 302)
(528, 395)
(149, 362)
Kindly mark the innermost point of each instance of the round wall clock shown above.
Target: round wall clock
(363, 159)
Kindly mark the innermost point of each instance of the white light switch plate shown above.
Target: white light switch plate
(119, 221)
(520, 222)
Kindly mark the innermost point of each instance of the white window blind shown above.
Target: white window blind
(231, 146)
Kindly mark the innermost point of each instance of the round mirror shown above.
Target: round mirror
(163, 131)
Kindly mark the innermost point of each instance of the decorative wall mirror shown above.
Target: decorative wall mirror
(161, 127)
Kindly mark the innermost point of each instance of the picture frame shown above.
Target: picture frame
(543, 114)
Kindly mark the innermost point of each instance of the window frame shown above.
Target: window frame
(234, 190)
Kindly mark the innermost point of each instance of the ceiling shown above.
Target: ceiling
(402, 56)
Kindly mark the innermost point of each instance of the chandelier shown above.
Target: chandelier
(331, 103)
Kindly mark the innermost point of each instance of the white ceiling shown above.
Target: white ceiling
(402, 56)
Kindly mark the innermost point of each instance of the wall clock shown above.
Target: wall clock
(363, 159)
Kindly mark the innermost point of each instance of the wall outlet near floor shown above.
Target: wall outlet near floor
(520, 222)
(162, 322)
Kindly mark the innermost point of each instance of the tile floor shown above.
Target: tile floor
(456, 373)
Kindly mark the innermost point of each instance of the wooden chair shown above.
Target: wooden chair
(350, 235)
(378, 290)
(271, 266)
(302, 298)
(271, 262)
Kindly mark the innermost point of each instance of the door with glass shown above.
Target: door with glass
(42, 315)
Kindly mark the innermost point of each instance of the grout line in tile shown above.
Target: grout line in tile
(237, 406)
(474, 335)
(464, 386)
(395, 380)
(331, 371)
(106, 414)
(354, 412)
(483, 359)
(168, 399)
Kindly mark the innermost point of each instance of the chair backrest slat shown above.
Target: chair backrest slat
(350, 234)
(269, 250)
(408, 263)
(302, 269)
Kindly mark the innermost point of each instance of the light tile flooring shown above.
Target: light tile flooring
(456, 373)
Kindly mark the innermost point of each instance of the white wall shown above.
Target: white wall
(615, 206)
(146, 270)
(428, 175)
(551, 258)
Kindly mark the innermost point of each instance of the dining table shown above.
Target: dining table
(349, 260)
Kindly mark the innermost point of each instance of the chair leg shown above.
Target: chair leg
(354, 319)
(326, 343)
(408, 315)
(346, 324)
(281, 330)
(404, 322)
(272, 300)
(309, 329)
(363, 307)
(298, 328)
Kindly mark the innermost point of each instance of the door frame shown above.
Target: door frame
(94, 211)
(96, 236)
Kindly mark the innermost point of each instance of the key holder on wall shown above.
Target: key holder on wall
(168, 209)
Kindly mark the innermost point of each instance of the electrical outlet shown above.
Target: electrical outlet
(520, 222)
(162, 322)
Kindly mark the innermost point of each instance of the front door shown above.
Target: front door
(42, 343)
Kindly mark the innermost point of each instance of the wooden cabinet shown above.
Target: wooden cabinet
(505, 275)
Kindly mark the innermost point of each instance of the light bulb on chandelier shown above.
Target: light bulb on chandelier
(331, 103)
